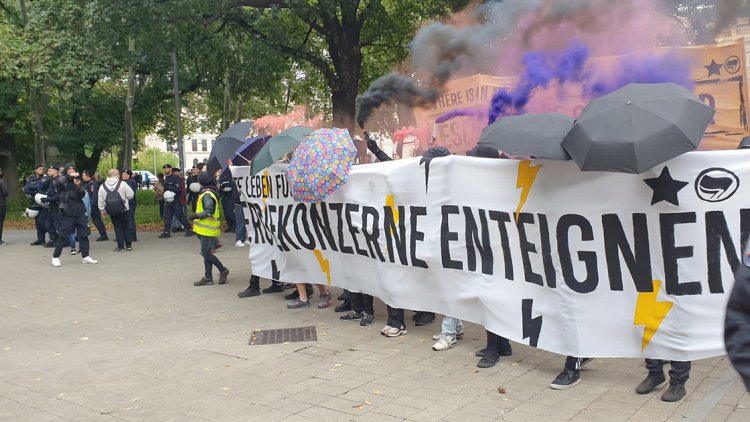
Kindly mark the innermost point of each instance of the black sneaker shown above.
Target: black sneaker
(274, 288)
(352, 316)
(37, 243)
(178, 230)
(341, 297)
(480, 353)
(291, 296)
(488, 360)
(164, 235)
(102, 238)
(49, 244)
(367, 319)
(249, 292)
(566, 379)
(675, 393)
(650, 384)
(118, 250)
(344, 307)
(190, 233)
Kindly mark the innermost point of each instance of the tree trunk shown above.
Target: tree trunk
(239, 109)
(89, 163)
(346, 56)
(8, 156)
(125, 158)
(227, 104)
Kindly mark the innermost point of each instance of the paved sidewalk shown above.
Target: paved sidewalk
(132, 339)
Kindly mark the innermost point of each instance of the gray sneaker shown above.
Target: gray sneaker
(367, 319)
(325, 300)
(675, 393)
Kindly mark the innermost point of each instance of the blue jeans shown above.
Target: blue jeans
(239, 217)
(452, 326)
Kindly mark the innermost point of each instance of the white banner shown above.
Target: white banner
(584, 264)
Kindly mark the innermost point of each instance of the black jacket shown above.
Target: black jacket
(71, 199)
(737, 324)
(173, 183)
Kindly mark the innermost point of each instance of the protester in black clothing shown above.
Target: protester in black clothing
(362, 310)
(92, 187)
(73, 217)
(254, 288)
(173, 183)
(737, 324)
(137, 179)
(31, 188)
(678, 376)
(51, 186)
(127, 178)
(229, 193)
(3, 205)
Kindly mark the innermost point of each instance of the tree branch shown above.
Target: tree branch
(366, 13)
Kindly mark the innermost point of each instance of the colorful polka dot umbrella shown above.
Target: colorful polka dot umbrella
(321, 164)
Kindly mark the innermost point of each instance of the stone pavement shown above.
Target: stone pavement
(132, 339)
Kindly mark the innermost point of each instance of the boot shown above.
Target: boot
(203, 282)
(252, 290)
(650, 383)
(223, 275)
(675, 393)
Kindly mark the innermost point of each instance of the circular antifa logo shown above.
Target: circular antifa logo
(732, 64)
(716, 184)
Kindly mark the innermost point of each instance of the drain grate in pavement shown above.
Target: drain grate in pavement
(283, 335)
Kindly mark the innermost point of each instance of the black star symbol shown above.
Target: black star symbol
(713, 68)
(665, 188)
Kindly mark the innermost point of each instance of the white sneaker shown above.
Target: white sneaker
(90, 260)
(395, 332)
(239, 244)
(385, 329)
(247, 243)
(56, 262)
(444, 343)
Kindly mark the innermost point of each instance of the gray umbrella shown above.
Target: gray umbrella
(529, 135)
(637, 127)
(226, 145)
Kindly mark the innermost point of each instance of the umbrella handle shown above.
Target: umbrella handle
(246, 160)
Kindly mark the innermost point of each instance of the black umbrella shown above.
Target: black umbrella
(225, 147)
(529, 135)
(637, 127)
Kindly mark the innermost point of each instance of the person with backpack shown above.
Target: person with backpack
(114, 196)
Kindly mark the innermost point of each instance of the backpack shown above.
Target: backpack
(113, 203)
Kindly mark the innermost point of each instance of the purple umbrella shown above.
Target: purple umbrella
(250, 149)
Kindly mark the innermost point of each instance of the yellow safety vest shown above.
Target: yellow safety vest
(211, 225)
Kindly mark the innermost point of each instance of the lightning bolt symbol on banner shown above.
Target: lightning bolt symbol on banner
(324, 266)
(531, 326)
(650, 313)
(526, 177)
(265, 188)
(390, 202)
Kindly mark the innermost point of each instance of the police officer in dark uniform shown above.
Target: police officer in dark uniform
(31, 188)
(51, 186)
(92, 187)
(173, 183)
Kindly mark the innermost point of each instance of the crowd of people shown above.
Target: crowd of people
(65, 201)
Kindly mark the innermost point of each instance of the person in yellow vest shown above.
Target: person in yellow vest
(207, 225)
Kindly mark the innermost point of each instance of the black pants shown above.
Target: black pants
(227, 206)
(171, 210)
(573, 362)
(96, 218)
(122, 230)
(362, 302)
(678, 373)
(131, 221)
(52, 223)
(78, 225)
(498, 343)
(3, 211)
(41, 225)
(395, 317)
(209, 259)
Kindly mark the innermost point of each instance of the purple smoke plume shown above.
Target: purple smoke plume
(570, 66)
(471, 111)
(540, 69)
(649, 69)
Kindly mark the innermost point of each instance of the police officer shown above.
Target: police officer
(31, 188)
(73, 219)
(50, 186)
(92, 187)
(229, 193)
(173, 183)
(207, 225)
